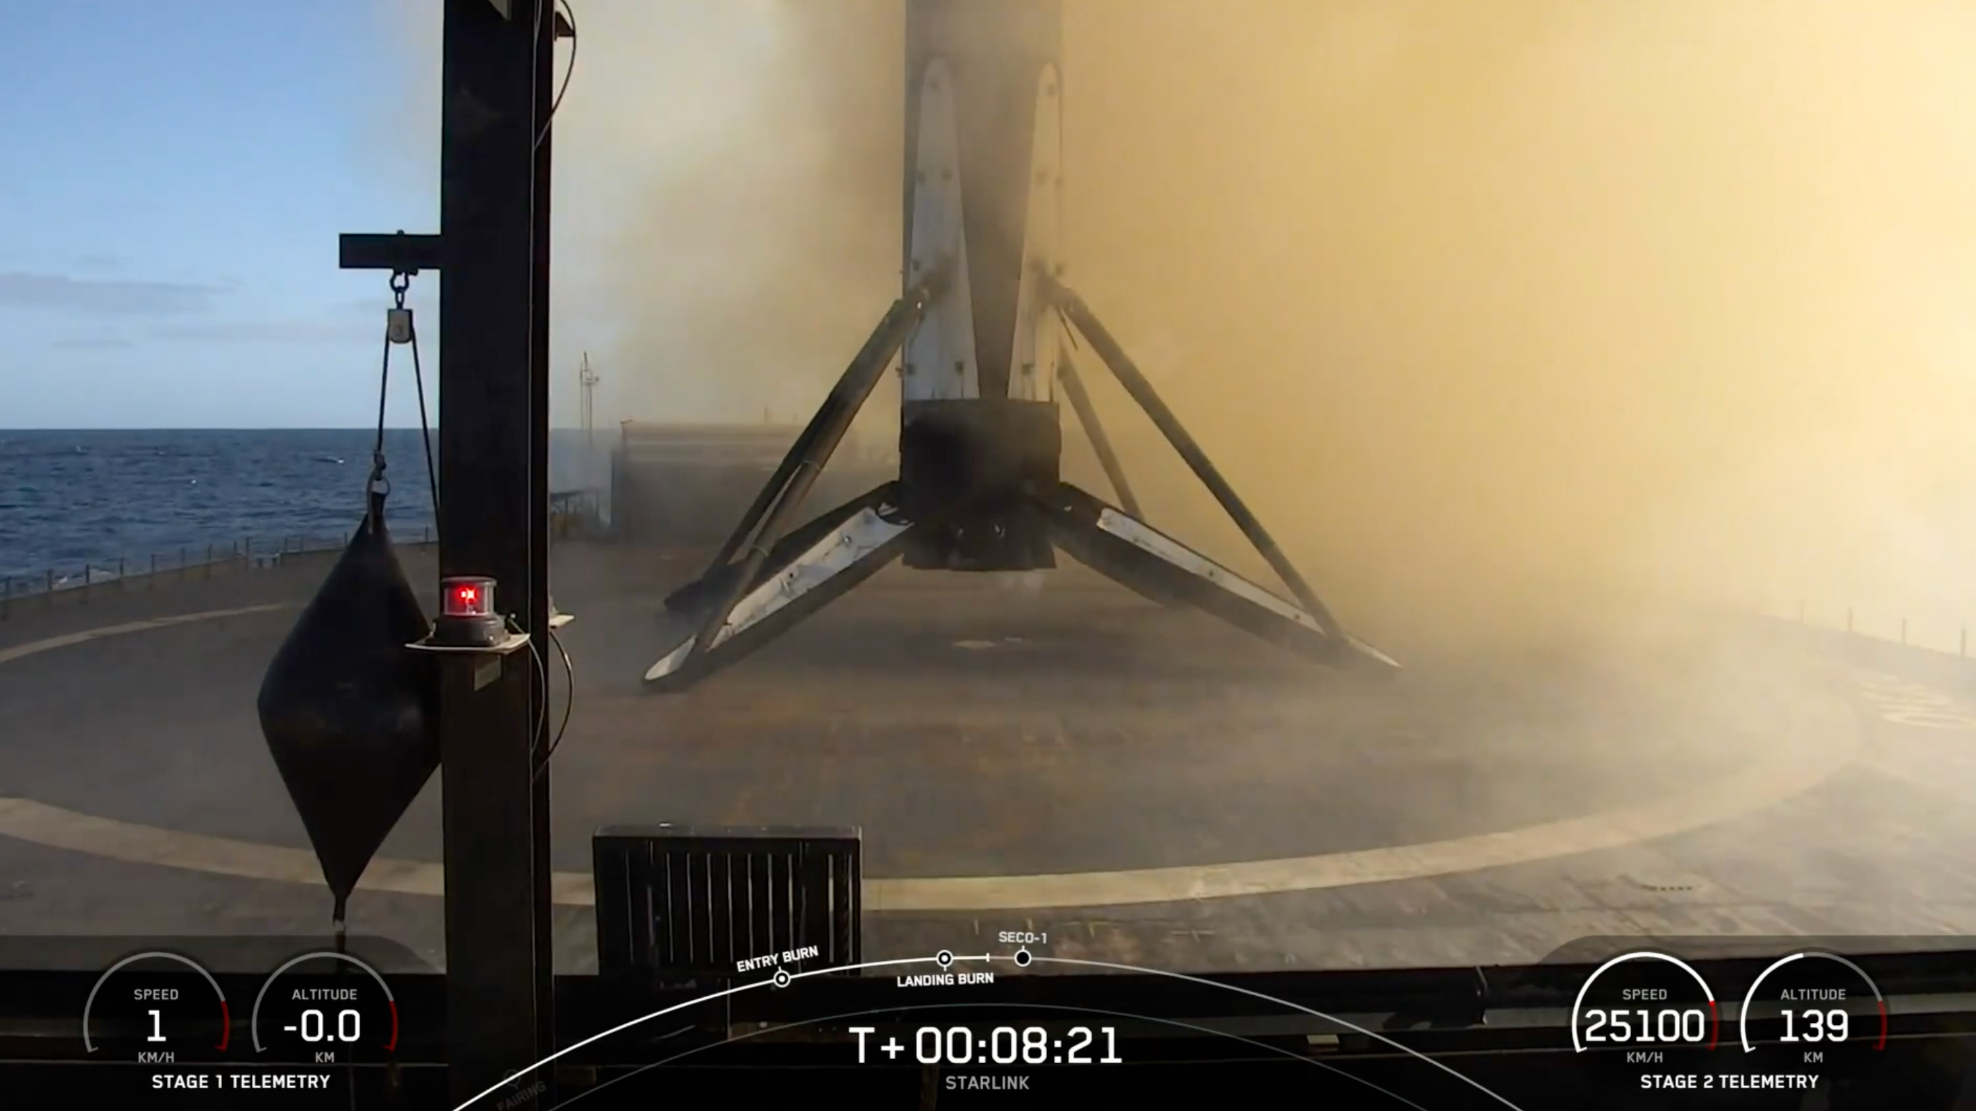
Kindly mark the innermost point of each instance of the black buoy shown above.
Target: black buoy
(350, 713)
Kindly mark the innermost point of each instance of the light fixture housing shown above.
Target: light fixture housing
(467, 618)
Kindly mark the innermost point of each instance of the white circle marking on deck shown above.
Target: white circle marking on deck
(1904, 702)
(36, 647)
(1722, 800)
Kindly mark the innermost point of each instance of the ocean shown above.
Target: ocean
(76, 504)
(89, 499)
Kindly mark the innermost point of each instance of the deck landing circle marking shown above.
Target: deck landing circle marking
(1731, 797)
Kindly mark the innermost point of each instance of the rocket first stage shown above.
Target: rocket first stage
(982, 331)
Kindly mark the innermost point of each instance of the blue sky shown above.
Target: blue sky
(174, 179)
(171, 188)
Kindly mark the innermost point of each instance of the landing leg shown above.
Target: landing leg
(819, 439)
(1125, 528)
(1087, 416)
(1140, 557)
(785, 491)
(805, 571)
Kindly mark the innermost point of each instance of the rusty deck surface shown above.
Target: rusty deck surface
(1001, 746)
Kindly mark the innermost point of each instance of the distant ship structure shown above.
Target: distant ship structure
(687, 483)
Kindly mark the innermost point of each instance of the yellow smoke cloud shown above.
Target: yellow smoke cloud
(1489, 306)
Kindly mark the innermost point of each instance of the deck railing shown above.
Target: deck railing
(79, 585)
(574, 515)
(1933, 632)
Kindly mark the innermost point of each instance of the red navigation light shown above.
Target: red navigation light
(467, 597)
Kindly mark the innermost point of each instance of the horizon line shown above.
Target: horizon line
(250, 428)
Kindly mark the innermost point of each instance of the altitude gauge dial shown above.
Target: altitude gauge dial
(156, 1007)
(1814, 1013)
(325, 1008)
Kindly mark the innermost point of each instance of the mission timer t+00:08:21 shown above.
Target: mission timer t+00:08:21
(1001, 1045)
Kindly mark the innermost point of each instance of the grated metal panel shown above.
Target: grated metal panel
(684, 902)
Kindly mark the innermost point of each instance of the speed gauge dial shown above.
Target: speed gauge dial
(324, 1008)
(1651, 1018)
(156, 1007)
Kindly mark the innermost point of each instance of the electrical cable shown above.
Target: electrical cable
(569, 693)
(425, 429)
(541, 666)
(399, 285)
(432, 480)
(542, 676)
(569, 70)
(569, 702)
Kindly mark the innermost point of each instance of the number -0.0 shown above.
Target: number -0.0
(315, 1026)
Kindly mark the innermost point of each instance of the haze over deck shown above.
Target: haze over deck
(1471, 300)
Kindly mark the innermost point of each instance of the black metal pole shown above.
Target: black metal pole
(1087, 416)
(1136, 384)
(806, 461)
(493, 482)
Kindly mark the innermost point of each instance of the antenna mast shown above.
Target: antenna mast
(588, 379)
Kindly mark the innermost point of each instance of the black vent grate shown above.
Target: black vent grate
(679, 902)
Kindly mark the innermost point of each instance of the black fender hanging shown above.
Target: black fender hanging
(350, 714)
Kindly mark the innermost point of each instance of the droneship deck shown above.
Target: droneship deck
(1145, 785)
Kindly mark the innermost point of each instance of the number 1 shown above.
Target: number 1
(157, 1032)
